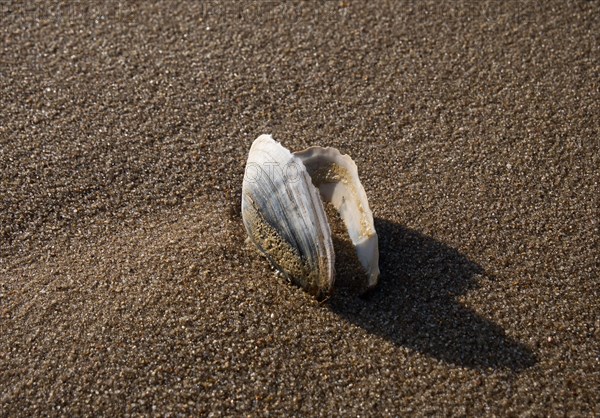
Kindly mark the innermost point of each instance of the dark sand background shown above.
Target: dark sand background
(125, 283)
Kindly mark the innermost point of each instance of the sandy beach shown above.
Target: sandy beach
(126, 285)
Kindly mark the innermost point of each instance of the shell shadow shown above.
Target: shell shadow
(415, 304)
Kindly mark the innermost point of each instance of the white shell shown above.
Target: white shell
(336, 176)
(284, 216)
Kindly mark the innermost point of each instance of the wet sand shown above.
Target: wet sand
(125, 283)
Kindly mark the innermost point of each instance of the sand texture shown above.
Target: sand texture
(126, 287)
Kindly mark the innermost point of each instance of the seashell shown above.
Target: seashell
(336, 176)
(284, 216)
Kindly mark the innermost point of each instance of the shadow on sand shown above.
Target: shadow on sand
(415, 304)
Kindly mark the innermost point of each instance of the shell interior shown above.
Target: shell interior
(336, 176)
